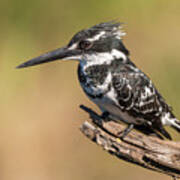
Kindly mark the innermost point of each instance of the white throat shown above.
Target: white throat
(101, 58)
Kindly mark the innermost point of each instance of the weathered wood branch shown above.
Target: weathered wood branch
(146, 151)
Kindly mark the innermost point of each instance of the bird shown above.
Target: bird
(113, 82)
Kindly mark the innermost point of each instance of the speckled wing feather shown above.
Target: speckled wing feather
(137, 95)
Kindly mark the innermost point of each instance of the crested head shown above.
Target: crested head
(100, 42)
(99, 31)
(103, 34)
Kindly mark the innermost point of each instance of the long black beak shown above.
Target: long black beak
(61, 53)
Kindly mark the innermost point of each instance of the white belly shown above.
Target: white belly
(109, 104)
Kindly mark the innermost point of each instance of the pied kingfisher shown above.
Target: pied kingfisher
(112, 81)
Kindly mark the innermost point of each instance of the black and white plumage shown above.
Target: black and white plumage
(112, 81)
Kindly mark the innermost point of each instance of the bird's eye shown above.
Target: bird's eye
(84, 45)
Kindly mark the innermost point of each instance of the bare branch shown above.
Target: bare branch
(146, 151)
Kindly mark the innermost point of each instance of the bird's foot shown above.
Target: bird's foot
(126, 131)
(105, 116)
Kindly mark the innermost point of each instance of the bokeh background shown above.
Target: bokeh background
(39, 106)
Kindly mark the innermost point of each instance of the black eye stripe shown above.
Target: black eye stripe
(84, 44)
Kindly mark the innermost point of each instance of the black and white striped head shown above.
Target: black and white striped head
(99, 44)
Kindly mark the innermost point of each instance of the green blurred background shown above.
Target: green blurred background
(39, 107)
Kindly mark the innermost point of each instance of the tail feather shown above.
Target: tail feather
(164, 132)
(176, 125)
(148, 130)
